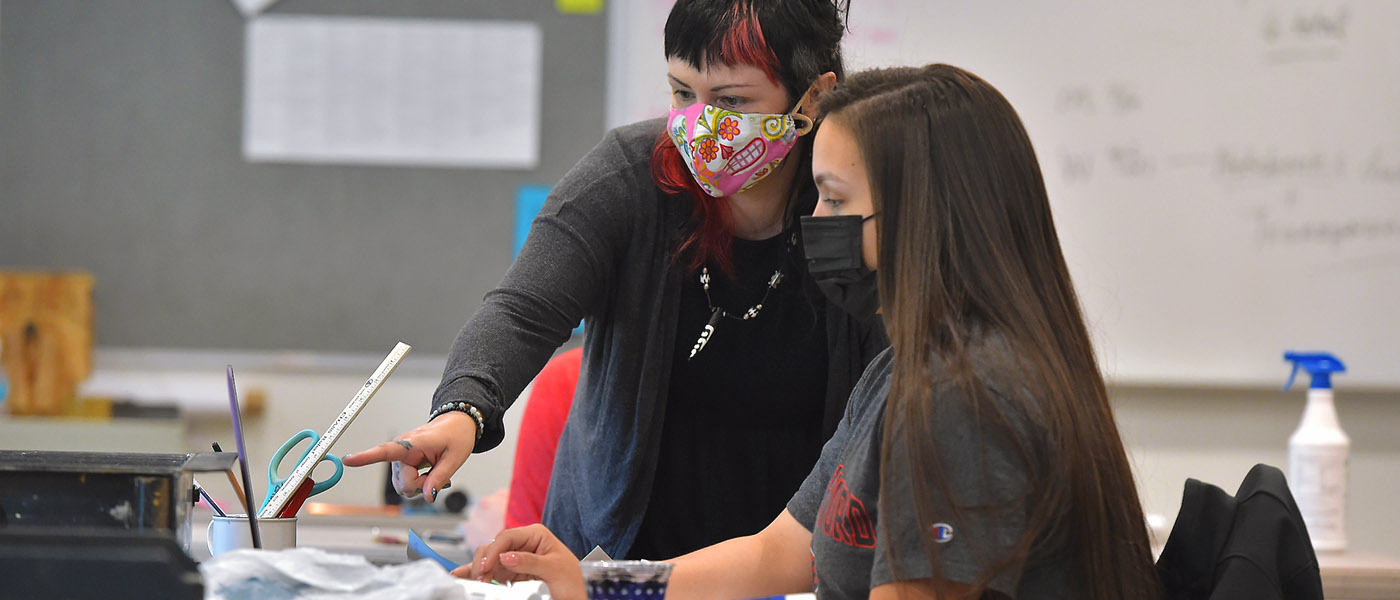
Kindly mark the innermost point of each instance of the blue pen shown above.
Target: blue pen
(210, 499)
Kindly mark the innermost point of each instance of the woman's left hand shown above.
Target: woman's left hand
(531, 552)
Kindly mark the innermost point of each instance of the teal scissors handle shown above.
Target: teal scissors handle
(274, 482)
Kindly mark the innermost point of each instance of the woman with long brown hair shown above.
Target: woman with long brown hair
(999, 451)
(978, 457)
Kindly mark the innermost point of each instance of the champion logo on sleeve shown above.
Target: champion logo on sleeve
(942, 532)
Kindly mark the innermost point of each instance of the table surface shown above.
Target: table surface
(1359, 576)
(1345, 576)
(381, 539)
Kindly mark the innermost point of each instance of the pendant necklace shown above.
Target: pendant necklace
(717, 313)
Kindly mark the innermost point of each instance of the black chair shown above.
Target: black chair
(1251, 545)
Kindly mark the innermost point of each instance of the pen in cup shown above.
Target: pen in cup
(209, 499)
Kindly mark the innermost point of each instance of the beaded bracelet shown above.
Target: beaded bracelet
(460, 406)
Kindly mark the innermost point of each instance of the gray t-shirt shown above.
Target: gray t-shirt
(841, 504)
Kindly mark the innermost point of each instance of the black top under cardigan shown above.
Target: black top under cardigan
(601, 249)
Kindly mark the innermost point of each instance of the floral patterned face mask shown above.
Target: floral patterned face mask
(728, 151)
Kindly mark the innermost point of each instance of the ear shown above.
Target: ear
(812, 107)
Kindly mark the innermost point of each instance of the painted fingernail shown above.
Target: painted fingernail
(447, 485)
(435, 491)
(509, 559)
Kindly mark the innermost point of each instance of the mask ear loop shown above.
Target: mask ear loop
(802, 123)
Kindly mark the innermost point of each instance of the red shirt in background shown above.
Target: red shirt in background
(546, 410)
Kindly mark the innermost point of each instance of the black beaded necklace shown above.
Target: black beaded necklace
(717, 313)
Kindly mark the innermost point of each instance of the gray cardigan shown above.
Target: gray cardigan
(601, 249)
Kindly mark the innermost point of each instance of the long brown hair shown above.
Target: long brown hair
(968, 252)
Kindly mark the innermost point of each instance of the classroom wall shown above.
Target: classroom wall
(121, 128)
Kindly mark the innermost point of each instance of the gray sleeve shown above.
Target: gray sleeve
(805, 503)
(987, 479)
(562, 274)
(867, 394)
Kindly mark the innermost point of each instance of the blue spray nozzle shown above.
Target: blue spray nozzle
(1320, 365)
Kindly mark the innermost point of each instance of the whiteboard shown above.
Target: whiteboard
(392, 91)
(1225, 176)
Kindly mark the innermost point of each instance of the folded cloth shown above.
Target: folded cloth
(311, 573)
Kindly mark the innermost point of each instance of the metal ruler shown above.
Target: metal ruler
(318, 451)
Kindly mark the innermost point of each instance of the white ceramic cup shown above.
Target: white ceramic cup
(232, 533)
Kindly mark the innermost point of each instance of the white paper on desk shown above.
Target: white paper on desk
(596, 554)
(361, 90)
(524, 590)
(314, 573)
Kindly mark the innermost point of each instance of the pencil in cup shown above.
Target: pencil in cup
(233, 481)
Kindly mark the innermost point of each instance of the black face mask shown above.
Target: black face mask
(833, 249)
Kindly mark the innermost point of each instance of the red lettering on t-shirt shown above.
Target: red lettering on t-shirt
(842, 516)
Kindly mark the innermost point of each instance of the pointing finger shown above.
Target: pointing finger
(397, 450)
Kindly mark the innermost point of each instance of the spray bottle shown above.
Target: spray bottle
(1317, 454)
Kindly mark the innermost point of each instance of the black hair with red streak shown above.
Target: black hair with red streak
(792, 41)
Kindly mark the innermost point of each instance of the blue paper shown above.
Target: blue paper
(422, 549)
(529, 199)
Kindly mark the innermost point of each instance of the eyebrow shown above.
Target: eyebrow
(718, 88)
(825, 178)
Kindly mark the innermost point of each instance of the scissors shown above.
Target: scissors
(274, 482)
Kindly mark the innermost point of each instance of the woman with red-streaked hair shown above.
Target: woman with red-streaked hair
(714, 365)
